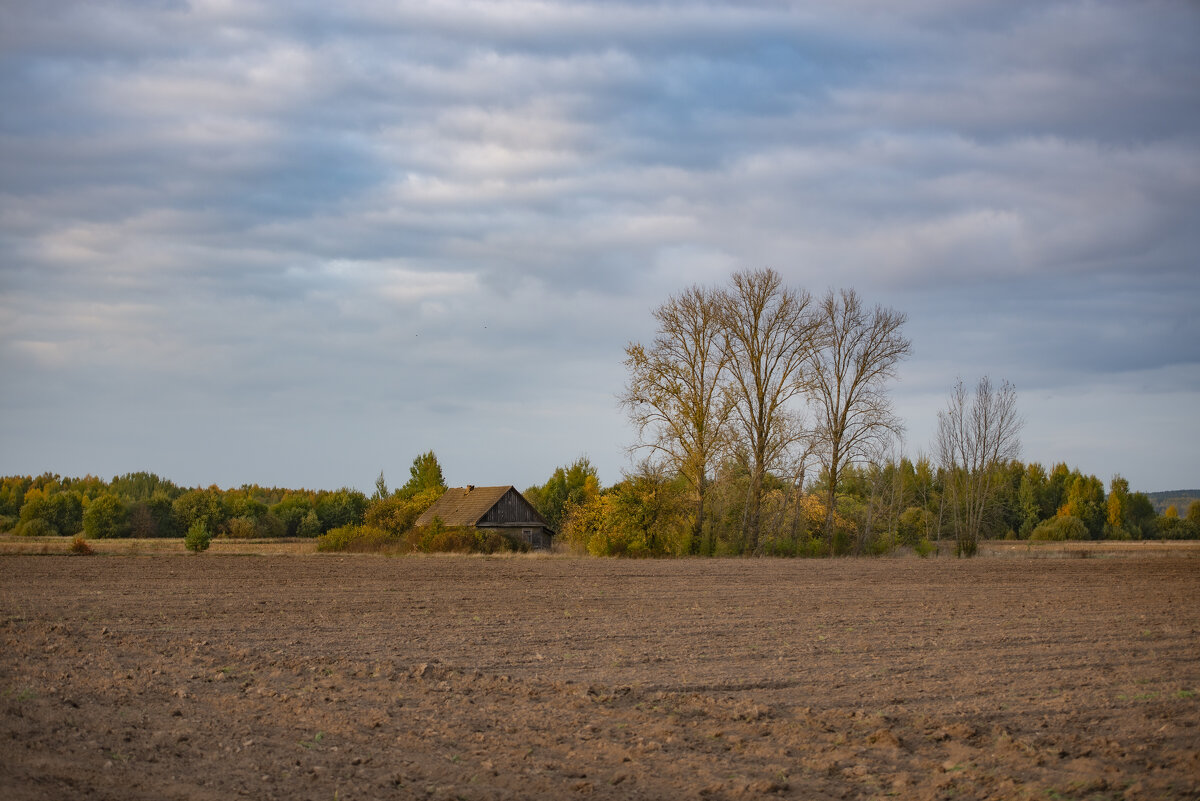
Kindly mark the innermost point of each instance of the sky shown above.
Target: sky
(296, 244)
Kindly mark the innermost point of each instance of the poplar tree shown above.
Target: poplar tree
(768, 335)
(674, 393)
(857, 352)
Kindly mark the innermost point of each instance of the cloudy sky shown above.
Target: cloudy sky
(298, 243)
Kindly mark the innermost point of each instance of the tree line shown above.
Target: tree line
(881, 507)
(764, 427)
(144, 505)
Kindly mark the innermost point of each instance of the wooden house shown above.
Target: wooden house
(500, 509)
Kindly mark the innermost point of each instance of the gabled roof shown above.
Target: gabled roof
(463, 506)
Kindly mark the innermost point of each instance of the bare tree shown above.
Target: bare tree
(976, 436)
(674, 394)
(768, 334)
(858, 352)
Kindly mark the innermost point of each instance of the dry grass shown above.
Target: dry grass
(132, 547)
(1005, 549)
(1089, 549)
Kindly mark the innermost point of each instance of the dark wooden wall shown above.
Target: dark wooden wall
(511, 508)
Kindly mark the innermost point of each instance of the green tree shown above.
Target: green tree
(913, 525)
(1170, 527)
(205, 506)
(61, 510)
(381, 488)
(86, 488)
(310, 525)
(49, 483)
(243, 503)
(648, 513)
(291, 509)
(160, 508)
(105, 517)
(1140, 517)
(12, 494)
(142, 486)
(570, 485)
(1030, 495)
(1085, 500)
(34, 507)
(198, 537)
(345, 507)
(66, 512)
(424, 474)
(1056, 489)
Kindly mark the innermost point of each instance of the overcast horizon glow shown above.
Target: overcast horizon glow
(297, 244)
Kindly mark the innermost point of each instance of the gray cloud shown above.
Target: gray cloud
(305, 242)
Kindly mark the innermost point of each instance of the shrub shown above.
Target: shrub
(914, 522)
(80, 546)
(358, 539)
(924, 548)
(495, 542)
(451, 540)
(1116, 533)
(197, 538)
(398, 513)
(1176, 528)
(1057, 529)
(437, 538)
(37, 527)
(242, 528)
(878, 546)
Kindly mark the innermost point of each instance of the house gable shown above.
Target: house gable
(511, 509)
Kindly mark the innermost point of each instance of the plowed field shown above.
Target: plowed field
(173, 676)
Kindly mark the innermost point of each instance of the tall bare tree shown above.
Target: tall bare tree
(674, 394)
(976, 436)
(858, 352)
(768, 335)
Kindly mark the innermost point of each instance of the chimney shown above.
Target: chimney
(469, 488)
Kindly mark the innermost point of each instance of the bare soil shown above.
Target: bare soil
(215, 676)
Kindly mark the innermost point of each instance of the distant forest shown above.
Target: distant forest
(1180, 499)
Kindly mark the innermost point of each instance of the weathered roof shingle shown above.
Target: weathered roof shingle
(462, 506)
